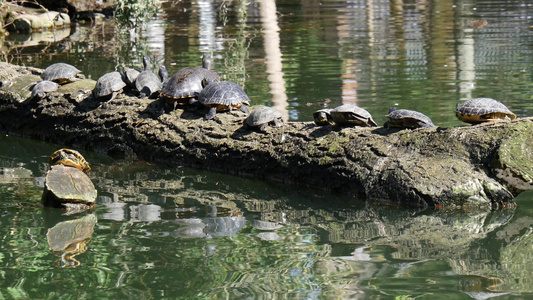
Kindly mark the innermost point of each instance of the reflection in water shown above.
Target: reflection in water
(68, 239)
(273, 55)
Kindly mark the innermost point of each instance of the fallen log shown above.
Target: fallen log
(474, 167)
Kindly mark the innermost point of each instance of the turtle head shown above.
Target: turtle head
(391, 109)
(163, 74)
(146, 63)
(206, 61)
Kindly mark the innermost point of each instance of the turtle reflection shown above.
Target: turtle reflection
(69, 238)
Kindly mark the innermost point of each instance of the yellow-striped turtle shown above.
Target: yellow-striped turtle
(322, 117)
(405, 118)
(223, 96)
(70, 158)
(479, 110)
(352, 115)
(187, 83)
(61, 73)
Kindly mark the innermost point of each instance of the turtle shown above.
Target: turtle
(262, 116)
(130, 75)
(69, 158)
(405, 118)
(479, 110)
(323, 117)
(147, 83)
(223, 96)
(187, 83)
(61, 73)
(109, 85)
(40, 89)
(352, 115)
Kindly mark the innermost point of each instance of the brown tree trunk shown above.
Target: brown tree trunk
(473, 167)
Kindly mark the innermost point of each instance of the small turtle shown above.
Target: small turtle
(479, 110)
(223, 96)
(130, 75)
(187, 83)
(61, 73)
(352, 115)
(147, 83)
(323, 117)
(70, 158)
(262, 116)
(109, 85)
(40, 89)
(405, 118)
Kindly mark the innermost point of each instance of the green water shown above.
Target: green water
(161, 233)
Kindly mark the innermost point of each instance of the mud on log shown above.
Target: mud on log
(474, 167)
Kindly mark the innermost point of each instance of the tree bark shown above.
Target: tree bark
(472, 167)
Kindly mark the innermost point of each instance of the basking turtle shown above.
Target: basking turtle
(352, 115)
(70, 158)
(187, 83)
(479, 110)
(223, 96)
(405, 118)
(263, 116)
(130, 75)
(109, 85)
(40, 89)
(147, 83)
(323, 117)
(61, 73)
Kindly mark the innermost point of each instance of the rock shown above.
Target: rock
(67, 185)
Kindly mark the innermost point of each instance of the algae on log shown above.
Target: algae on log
(476, 167)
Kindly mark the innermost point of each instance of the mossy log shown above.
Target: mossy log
(475, 167)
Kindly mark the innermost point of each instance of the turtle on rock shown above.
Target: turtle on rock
(405, 118)
(109, 85)
(479, 110)
(40, 89)
(263, 116)
(70, 158)
(223, 96)
(61, 73)
(187, 83)
(147, 83)
(322, 117)
(352, 115)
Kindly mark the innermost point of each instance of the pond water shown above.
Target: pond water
(169, 233)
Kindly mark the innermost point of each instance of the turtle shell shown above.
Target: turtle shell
(322, 117)
(189, 82)
(60, 73)
(352, 115)
(225, 95)
(405, 118)
(479, 110)
(109, 84)
(262, 116)
(42, 87)
(147, 83)
(69, 158)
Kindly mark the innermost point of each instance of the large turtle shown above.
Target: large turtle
(69, 158)
(322, 117)
(40, 89)
(263, 116)
(479, 110)
(147, 83)
(109, 85)
(61, 73)
(187, 83)
(352, 115)
(223, 96)
(405, 118)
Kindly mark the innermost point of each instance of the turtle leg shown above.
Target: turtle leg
(386, 125)
(277, 122)
(113, 96)
(211, 113)
(263, 127)
(244, 108)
